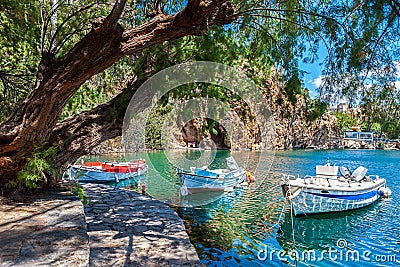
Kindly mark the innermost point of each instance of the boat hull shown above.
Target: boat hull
(308, 201)
(89, 175)
(198, 184)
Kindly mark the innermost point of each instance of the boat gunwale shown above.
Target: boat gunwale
(377, 183)
(242, 172)
(102, 170)
(87, 177)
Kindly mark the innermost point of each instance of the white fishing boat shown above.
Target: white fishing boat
(103, 172)
(329, 191)
(203, 179)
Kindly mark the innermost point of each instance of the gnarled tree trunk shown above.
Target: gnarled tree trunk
(36, 121)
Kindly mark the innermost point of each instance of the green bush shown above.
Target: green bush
(78, 191)
(345, 121)
(38, 168)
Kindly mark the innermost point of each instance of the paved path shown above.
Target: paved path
(122, 228)
(51, 231)
(129, 229)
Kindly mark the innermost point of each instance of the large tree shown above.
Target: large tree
(277, 31)
(35, 122)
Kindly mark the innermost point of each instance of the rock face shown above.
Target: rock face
(298, 133)
(286, 127)
(109, 146)
(289, 128)
(193, 134)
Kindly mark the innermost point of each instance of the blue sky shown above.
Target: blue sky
(313, 77)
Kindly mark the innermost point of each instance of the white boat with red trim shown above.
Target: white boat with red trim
(103, 172)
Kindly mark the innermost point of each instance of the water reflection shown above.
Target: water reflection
(200, 199)
(323, 230)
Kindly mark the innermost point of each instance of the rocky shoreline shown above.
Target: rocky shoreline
(113, 146)
(117, 228)
(357, 144)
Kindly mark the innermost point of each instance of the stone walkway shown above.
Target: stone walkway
(122, 228)
(129, 229)
(50, 231)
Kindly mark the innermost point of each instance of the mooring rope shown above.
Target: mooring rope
(292, 221)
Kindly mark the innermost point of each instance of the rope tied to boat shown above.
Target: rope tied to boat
(292, 221)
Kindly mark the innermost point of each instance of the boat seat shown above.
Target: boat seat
(326, 170)
(359, 173)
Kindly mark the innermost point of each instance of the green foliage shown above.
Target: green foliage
(38, 168)
(19, 51)
(269, 37)
(78, 191)
(66, 24)
(293, 88)
(380, 109)
(315, 109)
(27, 29)
(364, 47)
(19, 36)
(345, 120)
(100, 89)
(154, 126)
(87, 97)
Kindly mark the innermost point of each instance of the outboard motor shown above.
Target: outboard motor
(345, 172)
(359, 173)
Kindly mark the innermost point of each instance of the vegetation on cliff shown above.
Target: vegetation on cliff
(377, 110)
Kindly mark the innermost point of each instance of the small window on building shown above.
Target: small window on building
(351, 135)
(366, 136)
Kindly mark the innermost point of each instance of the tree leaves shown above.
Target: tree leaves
(361, 38)
(19, 51)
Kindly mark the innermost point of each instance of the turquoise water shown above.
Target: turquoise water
(253, 226)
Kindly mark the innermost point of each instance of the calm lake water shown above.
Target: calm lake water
(253, 226)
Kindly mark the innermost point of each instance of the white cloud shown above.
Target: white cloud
(318, 81)
(397, 84)
(397, 66)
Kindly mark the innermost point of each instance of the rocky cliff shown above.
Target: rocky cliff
(290, 126)
(296, 131)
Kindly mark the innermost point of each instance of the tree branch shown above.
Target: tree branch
(111, 20)
(78, 135)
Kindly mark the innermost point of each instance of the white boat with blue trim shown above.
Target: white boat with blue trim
(329, 192)
(203, 179)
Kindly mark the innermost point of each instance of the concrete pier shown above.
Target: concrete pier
(129, 229)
